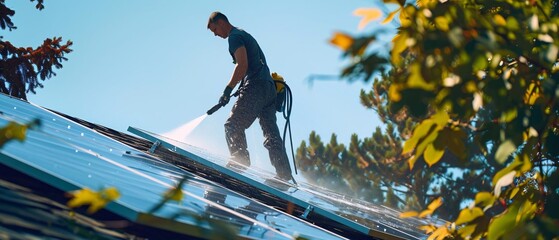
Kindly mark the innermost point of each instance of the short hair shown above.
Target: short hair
(215, 16)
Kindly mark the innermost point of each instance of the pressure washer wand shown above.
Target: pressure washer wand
(214, 108)
(219, 105)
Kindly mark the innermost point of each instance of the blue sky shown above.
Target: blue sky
(154, 65)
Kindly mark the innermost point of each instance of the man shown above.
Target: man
(257, 96)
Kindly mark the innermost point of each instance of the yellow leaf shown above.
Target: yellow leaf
(526, 163)
(82, 197)
(440, 233)
(466, 231)
(527, 210)
(394, 93)
(95, 206)
(471, 87)
(419, 132)
(426, 140)
(409, 214)
(514, 192)
(509, 115)
(391, 16)
(504, 151)
(110, 193)
(441, 118)
(13, 131)
(342, 40)
(442, 23)
(504, 181)
(467, 215)
(425, 213)
(432, 207)
(398, 46)
(532, 93)
(427, 228)
(416, 80)
(367, 14)
(515, 165)
(432, 155)
(95, 200)
(435, 204)
(404, 18)
(174, 194)
(499, 20)
(485, 199)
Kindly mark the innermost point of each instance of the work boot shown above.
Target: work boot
(283, 171)
(284, 175)
(281, 163)
(241, 158)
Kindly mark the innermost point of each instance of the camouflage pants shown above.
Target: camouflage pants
(256, 101)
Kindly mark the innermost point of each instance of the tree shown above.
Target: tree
(375, 169)
(479, 78)
(22, 67)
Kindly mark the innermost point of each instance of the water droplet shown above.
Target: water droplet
(81, 134)
(110, 149)
(69, 126)
(77, 150)
(89, 175)
(88, 164)
(54, 119)
(15, 107)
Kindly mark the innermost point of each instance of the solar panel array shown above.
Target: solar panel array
(69, 156)
(364, 217)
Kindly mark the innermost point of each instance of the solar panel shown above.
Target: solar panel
(366, 218)
(69, 156)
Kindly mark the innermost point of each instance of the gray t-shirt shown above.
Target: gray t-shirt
(257, 66)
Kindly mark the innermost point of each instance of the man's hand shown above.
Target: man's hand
(224, 99)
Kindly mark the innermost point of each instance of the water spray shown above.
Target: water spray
(184, 130)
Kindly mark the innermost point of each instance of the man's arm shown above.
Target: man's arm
(240, 68)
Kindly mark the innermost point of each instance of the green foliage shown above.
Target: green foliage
(374, 168)
(472, 87)
(22, 67)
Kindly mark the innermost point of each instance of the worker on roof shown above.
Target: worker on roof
(257, 96)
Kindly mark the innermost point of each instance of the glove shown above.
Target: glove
(224, 99)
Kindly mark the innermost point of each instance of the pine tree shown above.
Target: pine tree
(22, 67)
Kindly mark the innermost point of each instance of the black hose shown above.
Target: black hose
(286, 110)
